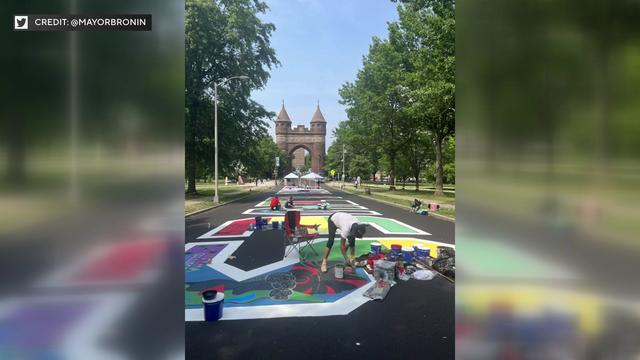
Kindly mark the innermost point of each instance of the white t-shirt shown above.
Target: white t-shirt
(343, 222)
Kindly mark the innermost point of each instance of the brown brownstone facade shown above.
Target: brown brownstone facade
(311, 139)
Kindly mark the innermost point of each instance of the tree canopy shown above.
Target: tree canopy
(223, 39)
(401, 106)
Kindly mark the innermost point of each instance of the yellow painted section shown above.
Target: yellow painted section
(310, 220)
(533, 300)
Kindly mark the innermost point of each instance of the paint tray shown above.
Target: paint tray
(385, 270)
(378, 291)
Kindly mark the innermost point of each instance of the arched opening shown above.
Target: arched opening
(300, 158)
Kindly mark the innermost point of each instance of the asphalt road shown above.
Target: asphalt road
(415, 320)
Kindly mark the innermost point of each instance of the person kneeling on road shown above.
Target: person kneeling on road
(275, 203)
(289, 203)
(349, 229)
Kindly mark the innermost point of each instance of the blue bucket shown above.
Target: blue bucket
(213, 303)
(407, 253)
(258, 222)
(376, 248)
(275, 224)
(422, 252)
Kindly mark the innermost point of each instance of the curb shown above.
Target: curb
(249, 193)
(442, 217)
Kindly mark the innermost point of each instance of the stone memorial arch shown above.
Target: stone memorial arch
(312, 139)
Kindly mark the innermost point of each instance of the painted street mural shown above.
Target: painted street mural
(240, 227)
(295, 284)
(287, 287)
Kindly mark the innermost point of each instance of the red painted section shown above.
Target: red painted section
(237, 227)
(354, 282)
(122, 262)
(305, 280)
(310, 269)
(329, 289)
(218, 288)
(308, 291)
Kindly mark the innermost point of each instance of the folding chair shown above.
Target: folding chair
(296, 235)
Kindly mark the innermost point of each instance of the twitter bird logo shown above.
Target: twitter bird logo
(21, 22)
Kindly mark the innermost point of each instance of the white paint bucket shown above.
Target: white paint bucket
(339, 271)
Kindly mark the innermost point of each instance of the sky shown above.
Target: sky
(320, 44)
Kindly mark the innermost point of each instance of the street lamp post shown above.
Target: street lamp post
(216, 199)
(343, 152)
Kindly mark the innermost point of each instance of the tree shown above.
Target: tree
(427, 28)
(342, 137)
(238, 169)
(449, 175)
(417, 153)
(360, 166)
(224, 38)
(262, 161)
(375, 100)
(403, 99)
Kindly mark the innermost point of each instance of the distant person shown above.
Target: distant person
(349, 229)
(415, 207)
(256, 181)
(289, 203)
(323, 205)
(275, 203)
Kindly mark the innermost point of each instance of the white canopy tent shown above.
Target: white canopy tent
(312, 178)
(291, 178)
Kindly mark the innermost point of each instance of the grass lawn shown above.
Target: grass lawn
(204, 198)
(404, 197)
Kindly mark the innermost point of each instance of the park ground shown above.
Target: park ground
(404, 196)
(203, 199)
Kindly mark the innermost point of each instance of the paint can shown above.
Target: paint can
(213, 303)
(396, 250)
(376, 248)
(275, 225)
(407, 254)
(258, 222)
(422, 252)
(339, 271)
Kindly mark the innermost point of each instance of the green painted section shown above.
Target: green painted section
(490, 259)
(387, 224)
(362, 247)
(300, 296)
(192, 298)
